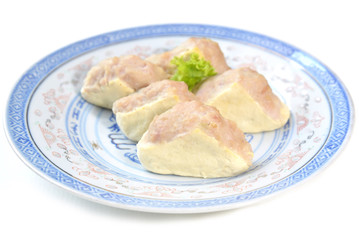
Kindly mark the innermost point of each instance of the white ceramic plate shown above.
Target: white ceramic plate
(78, 146)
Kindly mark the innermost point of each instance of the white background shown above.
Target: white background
(320, 208)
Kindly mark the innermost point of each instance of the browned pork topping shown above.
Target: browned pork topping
(152, 92)
(187, 116)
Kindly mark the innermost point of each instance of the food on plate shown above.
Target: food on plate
(135, 112)
(193, 139)
(178, 132)
(117, 77)
(203, 53)
(244, 96)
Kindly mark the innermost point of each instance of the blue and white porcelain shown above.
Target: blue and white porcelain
(79, 146)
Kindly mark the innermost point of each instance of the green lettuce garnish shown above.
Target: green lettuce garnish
(192, 69)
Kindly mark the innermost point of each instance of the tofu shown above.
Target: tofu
(245, 97)
(135, 112)
(117, 77)
(205, 47)
(193, 139)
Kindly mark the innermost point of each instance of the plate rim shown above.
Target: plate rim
(173, 209)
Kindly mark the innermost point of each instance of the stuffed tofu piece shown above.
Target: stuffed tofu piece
(135, 112)
(117, 77)
(244, 96)
(205, 48)
(193, 139)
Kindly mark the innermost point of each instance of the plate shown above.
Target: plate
(79, 146)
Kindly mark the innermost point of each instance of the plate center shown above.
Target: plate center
(108, 148)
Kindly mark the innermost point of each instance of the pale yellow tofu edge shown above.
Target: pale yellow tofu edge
(135, 123)
(106, 95)
(237, 105)
(194, 154)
